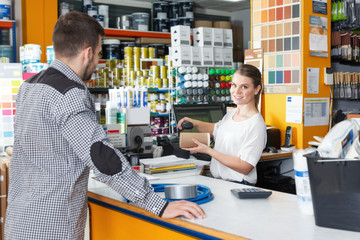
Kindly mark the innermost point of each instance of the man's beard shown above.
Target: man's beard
(87, 73)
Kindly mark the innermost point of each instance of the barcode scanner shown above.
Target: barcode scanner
(187, 125)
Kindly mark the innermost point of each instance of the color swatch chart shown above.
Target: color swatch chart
(276, 27)
(10, 81)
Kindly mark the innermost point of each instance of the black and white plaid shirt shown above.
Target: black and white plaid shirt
(57, 142)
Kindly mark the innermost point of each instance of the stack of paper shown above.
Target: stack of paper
(167, 164)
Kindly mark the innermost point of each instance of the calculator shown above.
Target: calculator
(247, 193)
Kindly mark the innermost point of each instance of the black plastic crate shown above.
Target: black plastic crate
(335, 190)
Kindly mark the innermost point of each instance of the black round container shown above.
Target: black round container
(160, 9)
(111, 49)
(161, 25)
(173, 10)
(174, 22)
(186, 8)
(187, 22)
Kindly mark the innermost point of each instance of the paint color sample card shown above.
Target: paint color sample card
(276, 29)
(10, 81)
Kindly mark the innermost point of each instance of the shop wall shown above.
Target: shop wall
(38, 21)
(274, 104)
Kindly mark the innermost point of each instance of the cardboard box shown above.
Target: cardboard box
(202, 37)
(222, 24)
(180, 36)
(218, 57)
(186, 139)
(228, 38)
(196, 56)
(228, 57)
(203, 23)
(181, 56)
(218, 37)
(207, 57)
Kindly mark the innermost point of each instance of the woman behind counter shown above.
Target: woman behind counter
(240, 136)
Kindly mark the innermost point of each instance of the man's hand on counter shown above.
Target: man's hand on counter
(184, 208)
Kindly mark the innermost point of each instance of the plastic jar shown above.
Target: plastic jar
(5, 9)
(111, 49)
(140, 21)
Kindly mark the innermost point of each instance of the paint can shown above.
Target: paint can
(85, 4)
(126, 22)
(6, 51)
(5, 9)
(174, 22)
(50, 54)
(104, 10)
(161, 25)
(186, 21)
(186, 8)
(92, 11)
(173, 10)
(140, 21)
(64, 8)
(100, 19)
(160, 9)
(110, 48)
(32, 53)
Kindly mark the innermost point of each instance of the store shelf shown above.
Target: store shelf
(10, 24)
(134, 33)
(6, 24)
(99, 90)
(155, 90)
(156, 114)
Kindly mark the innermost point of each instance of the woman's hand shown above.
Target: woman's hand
(185, 119)
(200, 148)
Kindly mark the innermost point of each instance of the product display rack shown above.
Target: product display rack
(10, 24)
(113, 32)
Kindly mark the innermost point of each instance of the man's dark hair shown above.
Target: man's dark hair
(75, 31)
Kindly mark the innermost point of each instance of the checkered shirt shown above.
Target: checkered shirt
(54, 134)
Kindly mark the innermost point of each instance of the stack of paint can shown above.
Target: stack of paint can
(159, 125)
(220, 83)
(30, 56)
(192, 85)
(166, 15)
(161, 22)
(100, 13)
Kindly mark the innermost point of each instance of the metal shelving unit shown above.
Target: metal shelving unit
(10, 24)
(113, 32)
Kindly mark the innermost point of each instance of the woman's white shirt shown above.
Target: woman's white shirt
(245, 139)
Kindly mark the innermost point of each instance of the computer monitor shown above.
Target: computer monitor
(204, 112)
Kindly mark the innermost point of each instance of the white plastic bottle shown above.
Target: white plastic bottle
(111, 112)
(302, 181)
(144, 97)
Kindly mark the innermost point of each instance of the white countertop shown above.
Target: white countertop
(277, 217)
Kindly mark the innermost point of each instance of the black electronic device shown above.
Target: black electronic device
(212, 112)
(270, 150)
(187, 125)
(288, 134)
(249, 193)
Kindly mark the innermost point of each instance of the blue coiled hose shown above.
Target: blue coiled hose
(204, 194)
